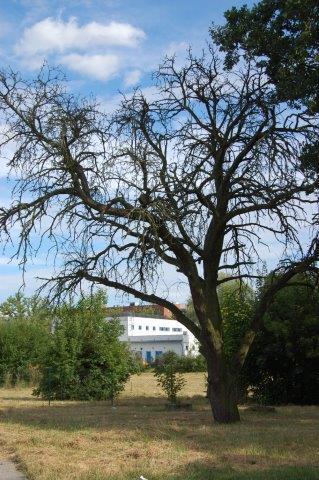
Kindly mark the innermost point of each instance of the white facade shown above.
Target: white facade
(152, 336)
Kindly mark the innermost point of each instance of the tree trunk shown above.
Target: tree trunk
(222, 394)
(222, 381)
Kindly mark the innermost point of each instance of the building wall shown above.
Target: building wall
(138, 325)
(150, 350)
(148, 335)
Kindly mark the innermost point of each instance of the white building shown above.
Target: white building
(153, 336)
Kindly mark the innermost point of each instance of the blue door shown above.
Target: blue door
(149, 357)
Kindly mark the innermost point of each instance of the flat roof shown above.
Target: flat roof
(155, 338)
(141, 315)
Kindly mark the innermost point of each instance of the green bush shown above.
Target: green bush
(85, 359)
(191, 363)
(184, 364)
(283, 363)
(168, 375)
(24, 337)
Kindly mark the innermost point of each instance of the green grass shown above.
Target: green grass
(92, 441)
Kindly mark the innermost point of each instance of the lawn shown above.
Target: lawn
(92, 441)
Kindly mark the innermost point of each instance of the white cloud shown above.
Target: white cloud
(99, 67)
(7, 261)
(33, 63)
(175, 48)
(50, 35)
(132, 78)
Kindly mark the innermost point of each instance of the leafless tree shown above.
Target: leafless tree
(197, 178)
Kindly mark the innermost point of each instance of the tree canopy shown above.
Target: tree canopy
(283, 36)
(201, 178)
(21, 307)
(283, 364)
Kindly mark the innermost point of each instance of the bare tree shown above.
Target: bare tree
(197, 178)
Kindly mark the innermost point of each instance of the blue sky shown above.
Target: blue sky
(104, 46)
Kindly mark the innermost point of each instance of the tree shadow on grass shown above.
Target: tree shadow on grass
(146, 414)
(201, 471)
(198, 471)
(68, 416)
(251, 444)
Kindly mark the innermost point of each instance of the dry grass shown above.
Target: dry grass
(92, 441)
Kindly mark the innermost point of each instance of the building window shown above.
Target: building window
(132, 327)
(140, 327)
(154, 328)
(164, 329)
(176, 329)
(186, 346)
(147, 327)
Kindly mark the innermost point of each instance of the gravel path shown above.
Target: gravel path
(8, 471)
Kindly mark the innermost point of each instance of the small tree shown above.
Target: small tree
(85, 360)
(167, 373)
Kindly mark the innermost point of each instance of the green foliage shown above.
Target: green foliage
(192, 363)
(24, 336)
(309, 158)
(184, 364)
(85, 359)
(16, 306)
(283, 36)
(168, 377)
(236, 302)
(283, 363)
(20, 307)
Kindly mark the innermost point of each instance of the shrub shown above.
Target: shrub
(85, 359)
(191, 363)
(24, 335)
(168, 376)
(183, 364)
(282, 366)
